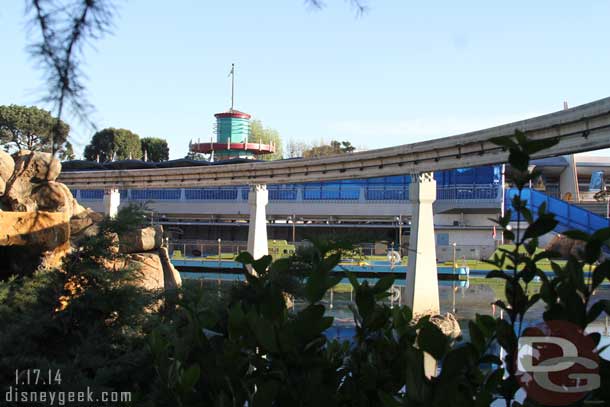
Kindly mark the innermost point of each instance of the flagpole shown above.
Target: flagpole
(232, 85)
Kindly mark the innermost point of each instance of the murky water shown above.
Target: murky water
(474, 297)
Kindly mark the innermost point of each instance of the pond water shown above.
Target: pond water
(471, 297)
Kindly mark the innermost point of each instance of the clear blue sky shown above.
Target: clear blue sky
(405, 71)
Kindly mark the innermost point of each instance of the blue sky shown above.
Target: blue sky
(405, 71)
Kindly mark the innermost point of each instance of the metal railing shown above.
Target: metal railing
(376, 193)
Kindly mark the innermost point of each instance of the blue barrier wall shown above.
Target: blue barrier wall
(568, 215)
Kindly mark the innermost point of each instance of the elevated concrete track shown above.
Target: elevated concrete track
(582, 128)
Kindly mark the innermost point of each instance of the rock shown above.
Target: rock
(141, 240)
(151, 270)
(447, 323)
(34, 170)
(45, 230)
(36, 166)
(7, 167)
(171, 277)
(53, 197)
(84, 220)
(566, 247)
(32, 240)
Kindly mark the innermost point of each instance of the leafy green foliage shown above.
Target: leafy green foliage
(111, 143)
(567, 294)
(248, 346)
(130, 217)
(265, 135)
(155, 149)
(35, 129)
(89, 320)
(335, 147)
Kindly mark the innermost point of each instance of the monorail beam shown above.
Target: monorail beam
(583, 128)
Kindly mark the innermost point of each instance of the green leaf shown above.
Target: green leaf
(236, 322)
(432, 340)
(506, 336)
(190, 377)
(365, 300)
(244, 258)
(601, 234)
(518, 159)
(384, 284)
(497, 274)
(476, 336)
(504, 141)
(541, 226)
(487, 324)
(387, 400)
(593, 250)
(264, 332)
(261, 265)
(534, 146)
(352, 279)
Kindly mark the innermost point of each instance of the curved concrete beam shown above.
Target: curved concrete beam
(582, 128)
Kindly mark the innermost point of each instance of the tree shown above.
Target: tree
(31, 128)
(114, 144)
(294, 149)
(266, 135)
(66, 153)
(323, 150)
(191, 155)
(156, 149)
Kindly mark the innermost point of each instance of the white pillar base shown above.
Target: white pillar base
(422, 280)
(112, 200)
(257, 229)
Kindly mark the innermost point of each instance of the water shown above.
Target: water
(472, 297)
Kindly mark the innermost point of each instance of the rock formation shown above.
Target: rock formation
(447, 323)
(566, 247)
(40, 222)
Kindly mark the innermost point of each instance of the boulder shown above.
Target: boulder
(83, 221)
(171, 277)
(45, 230)
(30, 241)
(7, 167)
(141, 240)
(34, 170)
(36, 166)
(151, 270)
(447, 323)
(53, 197)
(566, 247)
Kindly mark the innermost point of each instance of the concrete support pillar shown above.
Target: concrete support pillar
(422, 281)
(257, 229)
(568, 180)
(112, 200)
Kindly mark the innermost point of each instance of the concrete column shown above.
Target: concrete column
(112, 200)
(568, 180)
(422, 281)
(257, 229)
